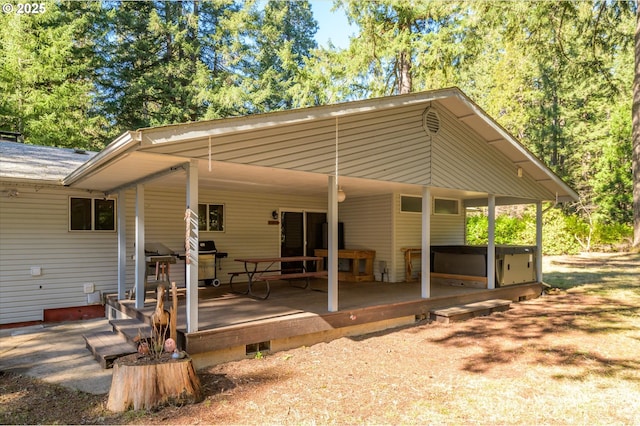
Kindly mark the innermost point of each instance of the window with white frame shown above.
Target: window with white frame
(410, 204)
(440, 206)
(446, 206)
(92, 214)
(211, 217)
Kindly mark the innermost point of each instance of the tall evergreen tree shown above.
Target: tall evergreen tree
(284, 39)
(405, 46)
(572, 77)
(152, 72)
(46, 76)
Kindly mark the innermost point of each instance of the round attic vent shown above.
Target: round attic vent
(431, 121)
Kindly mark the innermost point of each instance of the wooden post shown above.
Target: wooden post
(173, 326)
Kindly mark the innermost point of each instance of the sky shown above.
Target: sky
(332, 25)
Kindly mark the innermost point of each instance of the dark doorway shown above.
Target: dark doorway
(301, 234)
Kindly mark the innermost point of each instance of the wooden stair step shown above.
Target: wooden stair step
(469, 310)
(106, 346)
(131, 328)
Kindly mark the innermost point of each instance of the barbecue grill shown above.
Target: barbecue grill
(208, 257)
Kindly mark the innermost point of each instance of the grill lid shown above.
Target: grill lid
(208, 246)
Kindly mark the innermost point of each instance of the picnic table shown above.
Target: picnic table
(263, 269)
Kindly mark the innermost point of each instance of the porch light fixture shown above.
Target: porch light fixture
(341, 195)
(519, 172)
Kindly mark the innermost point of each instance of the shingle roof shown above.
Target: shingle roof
(19, 161)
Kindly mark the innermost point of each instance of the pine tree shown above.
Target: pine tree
(404, 46)
(46, 77)
(284, 39)
(152, 71)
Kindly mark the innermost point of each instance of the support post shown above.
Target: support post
(139, 249)
(332, 248)
(491, 245)
(191, 247)
(539, 241)
(122, 245)
(426, 243)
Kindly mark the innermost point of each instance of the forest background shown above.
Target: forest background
(558, 75)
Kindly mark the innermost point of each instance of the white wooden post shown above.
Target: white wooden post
(491, 246)
(539, 241)
(426, 243)
(332, 247)
(191, 246)
(122, 244)
(139, 249)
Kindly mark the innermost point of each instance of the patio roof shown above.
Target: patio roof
(262, 152)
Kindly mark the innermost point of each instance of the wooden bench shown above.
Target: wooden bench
(306, 276)
(237, 273)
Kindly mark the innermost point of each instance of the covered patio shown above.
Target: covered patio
(409, 166)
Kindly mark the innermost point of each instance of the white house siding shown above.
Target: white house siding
(462, 160)
(445, 230)
(306, 146)
(387, 145)
(368, 225)
(34, 232)
(247, 230)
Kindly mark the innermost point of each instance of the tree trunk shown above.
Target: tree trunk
(148, 385)
(404, 65)
(636, 135)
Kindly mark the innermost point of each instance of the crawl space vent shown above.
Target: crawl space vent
(431, 121)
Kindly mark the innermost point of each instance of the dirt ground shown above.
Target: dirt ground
(569, 357)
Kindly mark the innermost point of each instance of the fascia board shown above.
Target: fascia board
(124, 143)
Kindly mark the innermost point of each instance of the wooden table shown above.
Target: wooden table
(267, 273)
(161, 263)
(355, 256)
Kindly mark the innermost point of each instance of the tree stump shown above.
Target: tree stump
(145, 383)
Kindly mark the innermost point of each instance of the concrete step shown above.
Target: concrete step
(469, 310)
(106, 346)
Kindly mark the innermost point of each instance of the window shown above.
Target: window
(441, 206)
(92, 214)
(211, 217)
(410, 204)
(446, 206)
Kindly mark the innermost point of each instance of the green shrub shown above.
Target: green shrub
(558, 231)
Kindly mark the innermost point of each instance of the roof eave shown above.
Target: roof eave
(568, 193)
(124, 143)
(176, 133)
